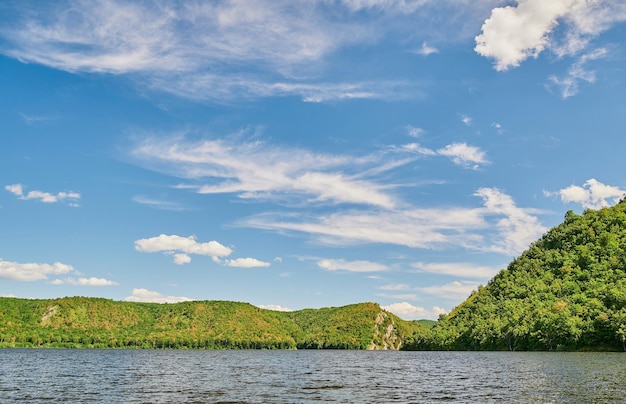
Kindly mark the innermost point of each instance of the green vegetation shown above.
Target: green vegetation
(566, 292)
(79, 322)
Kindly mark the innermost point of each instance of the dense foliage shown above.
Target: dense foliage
(566, 292)
(101, 323)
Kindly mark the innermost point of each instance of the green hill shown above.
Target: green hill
(566, 292)
(101, 323)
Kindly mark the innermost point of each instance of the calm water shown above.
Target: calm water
(145, 376)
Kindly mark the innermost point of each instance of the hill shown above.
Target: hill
(566, 292)
(82, 322)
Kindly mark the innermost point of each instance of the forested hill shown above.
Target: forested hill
(101, 323)
(566, 292)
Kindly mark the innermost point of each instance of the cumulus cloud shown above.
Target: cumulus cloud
(246, 263)
(464, 155)
(458, 269)
(46, 197)
(181, 247)
(351, 266)
(274, 307)
(591, 195)
(514, 33)
(84, 282)
(407, 311)
(149, 296)
(32, 271)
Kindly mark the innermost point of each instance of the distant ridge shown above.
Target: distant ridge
(566, 292)
(81, 322)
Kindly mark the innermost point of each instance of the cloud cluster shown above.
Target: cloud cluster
(32, 271)
(149, 296)
(181, 247)
(219, 50)
(514, 33)
(274, 307)
(46, 197)
(591, 195)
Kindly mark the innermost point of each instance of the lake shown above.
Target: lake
(163, 376)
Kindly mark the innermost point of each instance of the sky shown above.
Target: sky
(299, 154)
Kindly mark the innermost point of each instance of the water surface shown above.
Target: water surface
(154, 376)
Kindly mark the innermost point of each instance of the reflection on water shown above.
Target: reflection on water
(146, 376)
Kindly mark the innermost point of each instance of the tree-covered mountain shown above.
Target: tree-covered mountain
(567, 291)
(102, 323)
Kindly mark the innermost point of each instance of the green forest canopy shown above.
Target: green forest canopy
(566, 292)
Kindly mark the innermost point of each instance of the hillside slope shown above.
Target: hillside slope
(566, 292)
(102, 323)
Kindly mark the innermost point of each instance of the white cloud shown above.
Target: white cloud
(513, 34)
(466, 120)
(255, 170)
(517, 227)
(407, 311)
(351, 266)
(181, 259)
(464, 155)
(180, 247)
(274, 307)
(453, 291)
(158, 203)
(46, 197)
(219, 50)
(148, 296)
(514, 228)
(426, 50)
(459, 269)
(498, 127)
(592, 194)
(568, 85)
(246, 263)
(32, 271)
(415, 132)
(395, 287)
(84, 282)
(416, 148)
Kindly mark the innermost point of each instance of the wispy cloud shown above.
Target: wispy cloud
(18, 190)
(256, 170)
(465, 155)
(458, 269)
(32, 271)
(159, 203)
(591, 195)
(426, 50)
(221, 50)
(351, 266)
(454, 291)
(512, 230)
(149, 296)
(568, 85)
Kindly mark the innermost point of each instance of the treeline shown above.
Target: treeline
(566, 292)
(80, 322)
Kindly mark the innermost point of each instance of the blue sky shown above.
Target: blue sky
(297, 154)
